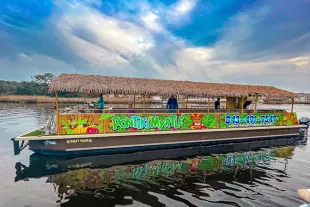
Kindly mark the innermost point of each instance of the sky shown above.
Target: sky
(263, 42)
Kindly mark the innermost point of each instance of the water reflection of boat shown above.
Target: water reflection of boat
(114, 177)
(41, 165)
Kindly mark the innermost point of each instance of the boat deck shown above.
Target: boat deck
(176, 132)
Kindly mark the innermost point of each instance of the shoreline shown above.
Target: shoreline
(69, 100)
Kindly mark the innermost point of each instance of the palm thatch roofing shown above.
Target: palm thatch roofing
(95, 84)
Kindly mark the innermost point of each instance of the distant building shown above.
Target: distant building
(157, 99)
(303, 98)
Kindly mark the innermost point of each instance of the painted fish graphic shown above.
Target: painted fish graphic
(49, 142)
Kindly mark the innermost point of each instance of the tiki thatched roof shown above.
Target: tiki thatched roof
(95, 84)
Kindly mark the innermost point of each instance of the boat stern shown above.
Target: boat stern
(17, 146)
(303, 131)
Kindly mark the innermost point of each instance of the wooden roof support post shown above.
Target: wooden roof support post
(57, 115)
(186, 103)
(104, 125)
(208, 105)
(143, 104)
(292, 109)
(134, 101)
(242, 105)
(178, 111)
(255, 103)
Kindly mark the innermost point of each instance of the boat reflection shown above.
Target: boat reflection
(119, 177)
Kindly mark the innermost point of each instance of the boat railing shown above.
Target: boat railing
(163, 110)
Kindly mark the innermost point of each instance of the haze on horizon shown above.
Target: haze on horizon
(265, 42)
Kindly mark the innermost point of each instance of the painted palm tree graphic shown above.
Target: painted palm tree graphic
(81, 126)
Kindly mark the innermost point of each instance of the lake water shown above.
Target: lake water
(270, 177)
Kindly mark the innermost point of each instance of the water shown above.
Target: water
(267, 179)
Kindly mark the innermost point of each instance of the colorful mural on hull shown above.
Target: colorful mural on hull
(111, 123)
(153, 171)
(81, 123)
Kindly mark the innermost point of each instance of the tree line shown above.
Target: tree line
(38, 86)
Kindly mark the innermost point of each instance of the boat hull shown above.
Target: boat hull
(81, 145)
(259, 143)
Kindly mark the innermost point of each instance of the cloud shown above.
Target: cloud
(155, 17)
(139, 38)
(257, 34)
(238, 56)
(110, 45)
(151, 21)
(200, 64)
(97, 58)
(127, 47)
(178, 13)
(94, 2)
(116, 36)
(301, 61)
(183, 7)
(103, 42)
(193, 62)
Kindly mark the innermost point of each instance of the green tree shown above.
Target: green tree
(41, 82)
(37, 86)
(43, 78)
